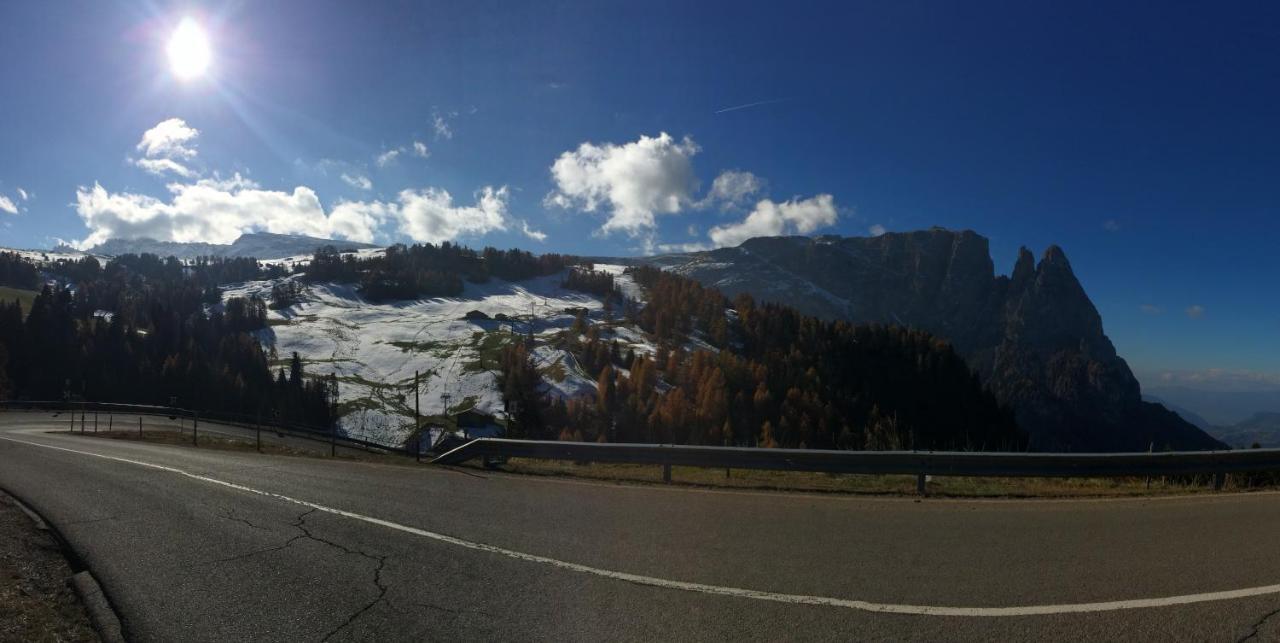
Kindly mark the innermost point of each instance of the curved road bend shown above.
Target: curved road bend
(212, 545)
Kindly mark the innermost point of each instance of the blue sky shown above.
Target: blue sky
(1142, 139)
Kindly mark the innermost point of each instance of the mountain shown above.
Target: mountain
(1034, 337)
(1262, 429)
(1221, 408)
(1183, 412)
(260, 245)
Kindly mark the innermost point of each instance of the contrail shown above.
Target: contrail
(755, 104)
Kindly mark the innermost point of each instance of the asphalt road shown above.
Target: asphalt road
(193, 544)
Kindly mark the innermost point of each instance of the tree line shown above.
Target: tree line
(427, 270)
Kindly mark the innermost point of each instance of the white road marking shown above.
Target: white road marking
(718, 590)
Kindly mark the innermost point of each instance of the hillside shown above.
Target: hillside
(374, 348)
(1034, 337)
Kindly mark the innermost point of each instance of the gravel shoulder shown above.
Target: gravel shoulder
(37, 601)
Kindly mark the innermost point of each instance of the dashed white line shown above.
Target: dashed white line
(702, 588)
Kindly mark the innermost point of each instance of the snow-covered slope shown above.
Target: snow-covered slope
(375, 348)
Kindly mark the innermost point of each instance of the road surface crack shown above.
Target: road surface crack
(1253, 632)
(377, 573)
(230, 514)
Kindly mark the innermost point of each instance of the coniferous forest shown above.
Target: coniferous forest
(147, 331)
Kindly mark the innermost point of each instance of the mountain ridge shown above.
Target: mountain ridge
(259, 245)
(1033, 336)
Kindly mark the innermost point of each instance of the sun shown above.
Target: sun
(189, 50)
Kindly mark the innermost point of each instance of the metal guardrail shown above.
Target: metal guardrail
(918, 463)
(228, 419)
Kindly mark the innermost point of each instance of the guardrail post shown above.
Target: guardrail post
(333, 441)
(259, 437)
(139, 427)
(1219, 480)
(920, 484)
(81, 422)
(73, 421)
(195, 428)
(95, 421)
(110, 422)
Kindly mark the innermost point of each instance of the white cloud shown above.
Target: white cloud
(635, 181)
(388, 157)
(359, 181)
(1216, 379)
(420, 149)
(1151, 309)
(531, 233)
(429, 215)
(682, 247)
(23, 194)
(733, 189)
(771, 219)
(440, 123)
(159, 167)
(1195, 311)
(876, 230)
(6, 205)
(166, 146)
(169, 139)
(1111, 225)
(359, 221)
(211, 210)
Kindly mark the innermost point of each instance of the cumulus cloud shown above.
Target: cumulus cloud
(531, 233)
(430, 216)
(358, 181)
(166, 147)
(211, 210)
(23, 194)
(358, 220)
(772, 219)
(1151, 309)
(633, 182)
(1195, 311)
(169, 139)
(420, 149)
(732, 189)
(388, 157)
(7, 205)
(876, 230)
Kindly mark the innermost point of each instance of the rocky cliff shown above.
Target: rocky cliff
(1034, 336)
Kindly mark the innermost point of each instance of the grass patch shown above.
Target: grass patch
(24, 297)
(488, 347)
(904, 485)
(36, 601)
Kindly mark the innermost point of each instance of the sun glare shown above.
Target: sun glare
(189, 51)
